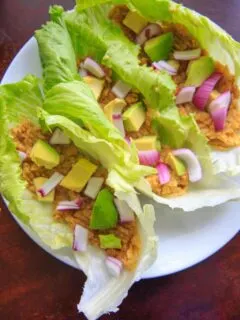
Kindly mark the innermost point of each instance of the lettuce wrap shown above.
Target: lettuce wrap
(21, 102)
(117, 52)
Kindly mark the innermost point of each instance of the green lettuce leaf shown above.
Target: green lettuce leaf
(56, 51)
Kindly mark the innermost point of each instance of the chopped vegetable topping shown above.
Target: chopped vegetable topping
(110, 241)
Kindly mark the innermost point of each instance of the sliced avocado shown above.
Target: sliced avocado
(176, 164)
(159, 47)
(79, 175)
(174, 63)
(109, 241)
(148, 143)
(95, 84)
(104, 214)
(114, 107)
(134, 117)
(44, 155)
(38, 183)
(198, 71)
(135, 22)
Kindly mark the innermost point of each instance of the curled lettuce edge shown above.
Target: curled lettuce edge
(100, 284)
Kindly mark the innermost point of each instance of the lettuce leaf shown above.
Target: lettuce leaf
(100, 284)
(56, 52)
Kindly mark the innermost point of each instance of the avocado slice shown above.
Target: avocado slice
(135, 22)
(38, 183)
(159, 48)
(79, 175)
(134, 117)
(176, 164)
(198, 71)
(109, 241)
(114, 107)
(44, 155)
(104, 214)
(95, 84)
(148, 143)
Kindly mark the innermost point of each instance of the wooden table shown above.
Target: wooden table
(35, 286)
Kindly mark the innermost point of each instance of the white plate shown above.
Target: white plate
(185, 238)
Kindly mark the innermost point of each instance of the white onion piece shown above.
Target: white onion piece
(185, 95)
(163, 65)
(187, 55)
(59, 137)
(118, 123)
(93, 187)
(80, 239)
(114, 266)
(148, 32)
(192, 162)
(22, 156)
(164, 175)
(50, 184)
(69, 205)
(125, 212)
(83, 73)
(93, 67)
(202, 94)
(149, 157)
(121, 89)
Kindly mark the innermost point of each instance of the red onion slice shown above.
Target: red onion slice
(93, 67)
(164, 175)
(125, 212)
(69, 205)
(218, 109)
(187, 55)
(80, 239)
(185, 95)
(50, 184)
(192, 162)
(128, 140)
(59, 137)
(148, 32)
(121, 89)
(114, 266)
(118, 123)
(149, 157)
(202, 94)
(93, 187)
(22, 156)
(164, 66)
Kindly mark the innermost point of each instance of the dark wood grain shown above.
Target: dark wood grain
(33, 285)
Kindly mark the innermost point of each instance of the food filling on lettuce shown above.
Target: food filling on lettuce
(204, 88)
(56, 172)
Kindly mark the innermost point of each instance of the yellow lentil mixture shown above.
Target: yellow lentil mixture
(25, 135)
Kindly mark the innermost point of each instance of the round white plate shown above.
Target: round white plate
(184, 238)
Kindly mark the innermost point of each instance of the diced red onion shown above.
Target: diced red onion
(118, 123)
(121, 89)
(83, 73)
(163, 65)
(187, 55)
(50, 184)
(59, 137)
(22, 155)
(80, 239)
(93, 67)
(218, 109)
(192, 162)
(125, 212)
(148, 32)
(164, 175)
(202, 94)
(149, 157)
(185, 95)
(69, 205)
(93, 187)
(114, 266)
(128, 140)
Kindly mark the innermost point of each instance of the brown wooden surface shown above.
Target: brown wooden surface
(33, 285)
